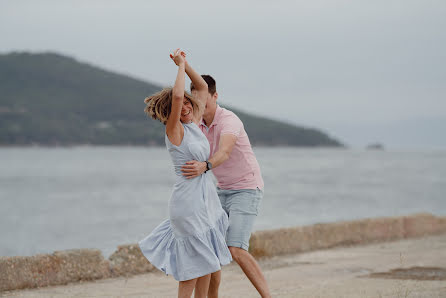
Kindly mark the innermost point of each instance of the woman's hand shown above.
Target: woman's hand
(179, 57)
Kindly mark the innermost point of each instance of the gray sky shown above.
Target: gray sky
(362, 71)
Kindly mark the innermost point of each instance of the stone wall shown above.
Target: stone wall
(63, 267)
(321, 236)
(129, 260)
(59, 268)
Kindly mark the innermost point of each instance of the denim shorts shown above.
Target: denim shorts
(242, 207)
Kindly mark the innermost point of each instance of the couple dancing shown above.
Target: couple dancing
(207, 227)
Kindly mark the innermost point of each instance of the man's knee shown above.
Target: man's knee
(237, 253)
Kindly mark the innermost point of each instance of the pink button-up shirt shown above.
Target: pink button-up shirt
(241, 170)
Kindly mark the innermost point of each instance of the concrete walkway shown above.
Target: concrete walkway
(338, 272)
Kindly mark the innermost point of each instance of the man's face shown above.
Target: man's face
(210, 102)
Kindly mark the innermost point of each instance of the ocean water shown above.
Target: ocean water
(100, 197)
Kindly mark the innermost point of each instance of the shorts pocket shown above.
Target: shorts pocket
(255, 204)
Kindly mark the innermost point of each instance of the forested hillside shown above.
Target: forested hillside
(50, 99)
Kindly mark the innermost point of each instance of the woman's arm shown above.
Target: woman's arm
(174, 129)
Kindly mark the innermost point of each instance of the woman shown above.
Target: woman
(190, 245)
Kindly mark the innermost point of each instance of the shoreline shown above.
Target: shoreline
(62, 146)
(63, 267)
(282, 146)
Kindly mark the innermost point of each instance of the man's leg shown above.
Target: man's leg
(243, 206)
(251, 268)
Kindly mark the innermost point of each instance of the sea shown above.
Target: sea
(101, 197)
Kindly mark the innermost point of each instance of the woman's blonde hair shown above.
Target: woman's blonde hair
(159, 105)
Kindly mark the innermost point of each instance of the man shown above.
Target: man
(240, 183)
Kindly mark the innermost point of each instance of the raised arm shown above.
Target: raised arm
(174, 129)
(201, 88)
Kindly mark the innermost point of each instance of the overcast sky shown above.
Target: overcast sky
(362, 71)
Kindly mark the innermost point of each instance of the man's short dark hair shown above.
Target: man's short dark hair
(212, 86)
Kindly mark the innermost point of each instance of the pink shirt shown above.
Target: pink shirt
(241, 170)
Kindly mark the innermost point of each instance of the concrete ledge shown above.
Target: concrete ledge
(320, 236)
(59, 268)
(129, 260)
(63, 267)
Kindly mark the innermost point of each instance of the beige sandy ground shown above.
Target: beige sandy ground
(338, 272)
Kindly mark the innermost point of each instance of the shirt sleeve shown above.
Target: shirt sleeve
(232, 125)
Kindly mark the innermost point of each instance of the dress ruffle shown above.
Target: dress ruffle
(185, 257)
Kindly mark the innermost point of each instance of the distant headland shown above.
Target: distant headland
(53, 100)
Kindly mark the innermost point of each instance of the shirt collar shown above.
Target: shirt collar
(217, 115)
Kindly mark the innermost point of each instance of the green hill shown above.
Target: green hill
(50, 99)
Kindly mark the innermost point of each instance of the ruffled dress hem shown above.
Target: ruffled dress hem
(187, 257)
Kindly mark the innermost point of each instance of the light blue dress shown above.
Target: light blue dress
(191, 243)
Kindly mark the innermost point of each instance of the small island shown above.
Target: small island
(375, 146)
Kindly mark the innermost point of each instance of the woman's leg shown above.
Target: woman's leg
(186, 287)
(214, 284)
(202, 286)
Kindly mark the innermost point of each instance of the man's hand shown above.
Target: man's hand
(193, 168)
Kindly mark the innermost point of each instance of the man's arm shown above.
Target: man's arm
(195, 168)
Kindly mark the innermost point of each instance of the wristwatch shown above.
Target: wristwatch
(208, 166)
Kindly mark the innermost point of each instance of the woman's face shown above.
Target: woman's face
(187, 111)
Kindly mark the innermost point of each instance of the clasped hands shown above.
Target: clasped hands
(179, 57)
(193, 168)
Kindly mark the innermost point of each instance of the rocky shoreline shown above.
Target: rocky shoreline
(67, 266)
